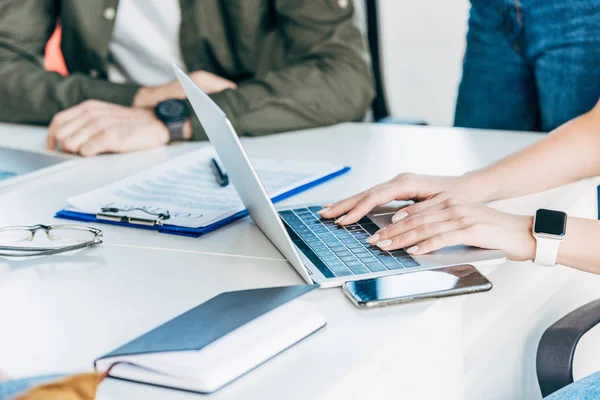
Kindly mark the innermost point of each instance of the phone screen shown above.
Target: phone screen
(417, 285)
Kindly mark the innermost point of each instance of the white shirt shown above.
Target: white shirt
(145, 42)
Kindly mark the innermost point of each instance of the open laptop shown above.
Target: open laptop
(321, 251)
(18, 163)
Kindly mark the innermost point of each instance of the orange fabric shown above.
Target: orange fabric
(77, 387)
(54, 60)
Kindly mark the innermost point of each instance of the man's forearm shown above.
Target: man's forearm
(570, 153)
(150, 96)
(301, 96)
(28, 94)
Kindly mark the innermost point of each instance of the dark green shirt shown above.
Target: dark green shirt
(298, 63)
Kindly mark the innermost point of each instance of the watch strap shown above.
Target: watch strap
(175, 131)
(546, 251)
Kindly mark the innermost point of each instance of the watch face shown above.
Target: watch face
(172, 111)
(549, 222)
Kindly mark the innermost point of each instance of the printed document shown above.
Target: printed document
(187, 190)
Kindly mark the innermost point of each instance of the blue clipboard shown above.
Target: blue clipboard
(197, 232)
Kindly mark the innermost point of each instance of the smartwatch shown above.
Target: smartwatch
(549, 229)
(173, 114)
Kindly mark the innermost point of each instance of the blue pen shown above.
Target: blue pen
(220, 174)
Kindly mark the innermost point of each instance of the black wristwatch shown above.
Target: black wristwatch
(173, 114)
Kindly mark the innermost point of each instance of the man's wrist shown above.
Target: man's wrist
(145, 97)
(164, 135)
(175, 115)
(150, 96)
(188, 132)
(185, 134)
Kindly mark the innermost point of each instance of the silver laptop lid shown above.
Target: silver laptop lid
(243, 175)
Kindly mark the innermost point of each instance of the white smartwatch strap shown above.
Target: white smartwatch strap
(546, 251)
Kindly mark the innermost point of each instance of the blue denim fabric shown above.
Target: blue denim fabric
(530, 64)
(585, 389)
(10, 389)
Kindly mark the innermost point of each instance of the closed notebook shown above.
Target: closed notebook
(217, 341)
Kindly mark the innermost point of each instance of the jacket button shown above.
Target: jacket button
(109, 14)
(343, 3)
(93, 73)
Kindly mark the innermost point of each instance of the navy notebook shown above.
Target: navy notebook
(209, 321)
(156, 357)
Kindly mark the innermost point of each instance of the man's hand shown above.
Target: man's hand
(149, 97)
(94, 127)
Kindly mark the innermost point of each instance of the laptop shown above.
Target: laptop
(18, 163)
(320, 251)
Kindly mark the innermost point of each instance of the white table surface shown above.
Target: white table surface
(375, 153)
(65, 311)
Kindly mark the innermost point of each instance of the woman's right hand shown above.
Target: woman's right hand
(424, 190)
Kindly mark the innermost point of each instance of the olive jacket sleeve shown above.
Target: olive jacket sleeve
(328, 78)
(29, 93)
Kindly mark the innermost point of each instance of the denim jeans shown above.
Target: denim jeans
(10, 389)
(585, 389)
(530, 65)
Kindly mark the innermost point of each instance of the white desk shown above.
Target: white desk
(375, 152)
(63, 314)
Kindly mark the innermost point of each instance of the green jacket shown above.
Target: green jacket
(298, 63)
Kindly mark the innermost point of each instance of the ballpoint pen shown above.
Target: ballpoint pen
(220, 174)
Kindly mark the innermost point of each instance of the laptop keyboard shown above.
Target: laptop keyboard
(341, 251)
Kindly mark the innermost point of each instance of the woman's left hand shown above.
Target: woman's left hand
(457, 221)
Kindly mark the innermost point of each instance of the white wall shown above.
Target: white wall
(423, 44)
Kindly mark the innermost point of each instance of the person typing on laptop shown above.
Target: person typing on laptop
(319, 250)
(450, 211)
(272, 66)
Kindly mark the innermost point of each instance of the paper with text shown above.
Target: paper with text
(186, 188)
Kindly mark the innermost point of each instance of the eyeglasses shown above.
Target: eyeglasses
(18, 241)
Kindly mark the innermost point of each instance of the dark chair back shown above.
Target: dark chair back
(556, 350)
(369, 15)
(380, 107)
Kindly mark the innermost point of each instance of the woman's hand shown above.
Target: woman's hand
(423, 189)
(455, 221)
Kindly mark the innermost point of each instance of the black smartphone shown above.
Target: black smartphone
(413, 286)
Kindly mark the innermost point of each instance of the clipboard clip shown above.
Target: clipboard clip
(158, 221)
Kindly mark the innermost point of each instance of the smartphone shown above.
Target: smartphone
(413, 286)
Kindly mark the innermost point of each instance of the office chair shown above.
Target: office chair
(369, 15)
(556, 350)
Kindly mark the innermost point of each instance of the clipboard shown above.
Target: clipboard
(161, 225)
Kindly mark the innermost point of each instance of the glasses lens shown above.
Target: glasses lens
(69, 236)
(9, 236)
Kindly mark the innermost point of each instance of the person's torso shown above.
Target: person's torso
(144, 43)
(234, 39)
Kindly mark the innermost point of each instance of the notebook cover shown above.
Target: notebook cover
(202, 325)
(197, 232)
